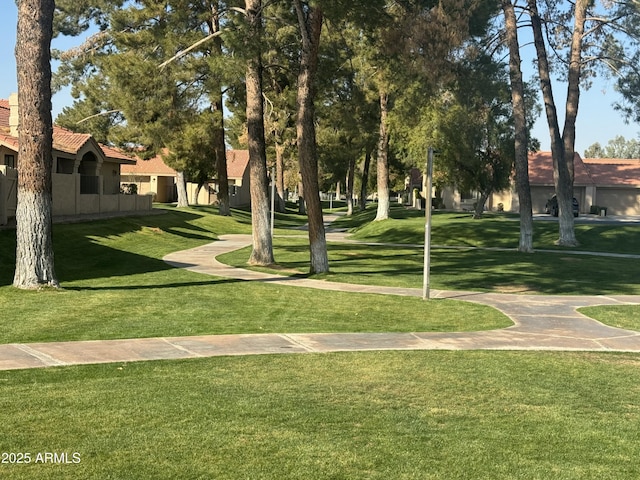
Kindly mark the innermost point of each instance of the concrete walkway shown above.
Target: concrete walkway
(541, 322)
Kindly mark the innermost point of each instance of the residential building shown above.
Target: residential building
(85, 174)
(154, 177)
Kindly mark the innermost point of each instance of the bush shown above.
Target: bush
(129, 188)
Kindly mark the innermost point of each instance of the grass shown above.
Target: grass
(367, 415)
(115, 285)
(465, 268)
(494, 230)
(371, 415)
(620, 316)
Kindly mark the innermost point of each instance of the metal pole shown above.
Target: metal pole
(427, 226)
(273, 198)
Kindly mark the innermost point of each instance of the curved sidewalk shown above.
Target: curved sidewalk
(541, 322)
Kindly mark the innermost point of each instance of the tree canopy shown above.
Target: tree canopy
(618, 147)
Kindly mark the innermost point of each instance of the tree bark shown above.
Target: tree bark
(565, 207)
(573, 85)
(197, 194)
(262, 253)
(561, 171)
(224, 207)
(310, 22)
(302, 209)
(351, 171)
(217, 107)
(479, 209)
(34, 246)
(365, 180)
(523, 187)
(383, 160)
(280, 201)
(181, 186)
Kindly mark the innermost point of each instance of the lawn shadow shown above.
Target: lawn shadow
(100, 248)
(204, 283)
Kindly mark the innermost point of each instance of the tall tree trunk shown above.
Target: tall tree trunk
(561, 172)
(351, 171)
(34, 246)
(573, 86)
(479, 208)
(302, 209)
(310, 22)
(520, 120)
(365, 180)
(262, 253)
(181, 186)
(217, 107)
(571, 108)
(197, 193)
(224, 207)
(280, 201)
(383, 159)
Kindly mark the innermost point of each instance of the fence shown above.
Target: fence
(71, 195)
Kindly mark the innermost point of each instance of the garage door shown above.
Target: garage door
(619, 201)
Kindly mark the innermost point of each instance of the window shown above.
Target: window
(10, 161)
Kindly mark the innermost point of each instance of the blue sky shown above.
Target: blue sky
(597, 120)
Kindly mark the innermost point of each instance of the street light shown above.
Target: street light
(427, 226)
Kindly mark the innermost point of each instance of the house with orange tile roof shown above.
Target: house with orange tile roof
(617, 185)
(611, 184)
(85, 174)
(154, 177)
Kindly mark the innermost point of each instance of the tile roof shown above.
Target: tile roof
(4, 116)
(117, 154)
(67, 141)
(237, 161)
(610, 172)
(64, 140)
(9, 141)
(588, 171)
(541, 170)
(152, 166)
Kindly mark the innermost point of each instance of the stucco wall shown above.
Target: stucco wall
(8, 193)
(64, 193)
(619, 201)
(110, 178)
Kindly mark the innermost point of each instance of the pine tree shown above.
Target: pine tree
(34, 247)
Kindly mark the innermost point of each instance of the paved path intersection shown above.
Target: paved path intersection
(541, 322)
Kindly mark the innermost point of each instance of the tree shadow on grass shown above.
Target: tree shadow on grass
(114, 247)
(207, 283)
(482, 270)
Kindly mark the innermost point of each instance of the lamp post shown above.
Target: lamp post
(427, 226)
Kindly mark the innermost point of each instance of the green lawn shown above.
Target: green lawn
(468, 266)
(368, 415)
(494, 230)
(462, 269)
(372, 415)
(115, 285)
